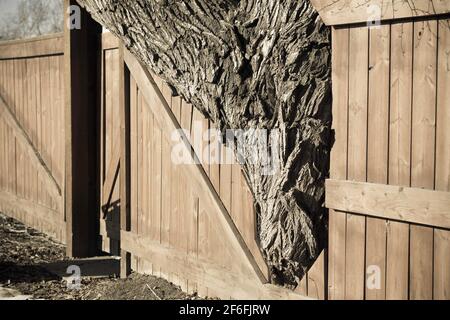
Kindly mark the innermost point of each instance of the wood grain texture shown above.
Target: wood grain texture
(423, 152)
(357, 104)
(338, 161)
(377, 156)
(397, 261)
(353, 11)
(357, 159)
(233, 66)
(392, 202)
(198, 178)
(421, 263)
(219, 278)
(125, 158)
(340, 81)
(441, 275)
(29, 148)
(424, 105)
(400, 104)
(35, 47)
(355, 272)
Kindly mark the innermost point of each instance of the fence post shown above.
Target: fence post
(125, 219)
(81, 50)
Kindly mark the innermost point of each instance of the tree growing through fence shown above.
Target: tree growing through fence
(249, 64)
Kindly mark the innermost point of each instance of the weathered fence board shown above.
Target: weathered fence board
(31, 90)
(338, 12)
(389, 124)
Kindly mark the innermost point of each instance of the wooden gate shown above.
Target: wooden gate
(389, 197)
(32, 133)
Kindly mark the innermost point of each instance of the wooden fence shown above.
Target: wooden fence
(389, 195)
(191, 224)
(32, 132)
(194, 224)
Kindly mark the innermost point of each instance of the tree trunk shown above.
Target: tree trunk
(249, 64)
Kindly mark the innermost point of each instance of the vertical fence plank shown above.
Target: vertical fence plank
(354, 261)
(54, 79)
(421, 263)
(125, 157)
(26, 125)
(18, 99)
(10, 145)
(193, 224)
(133, 154)
(197, 135)
(140, 156)
(236, 203)
(423, 155)
(175, 180)
(357, 118)
(441, 287)
(33, 120)
(102, 61)
(61, 130)
(3, 149)
(156, 176)
(397, 264)
(225, 178)
(107, 110)
(39, 126)
(357, 148)
(337, 249)
(166, 186)
(443, 109)
(397, 251)
(45, 103)
(378, 105)
(338, 162)
(214, 156)
(424, 104)
(145, 167)
(376, 259)
(11, 141)
(377, 155)
(441, 279)
(400, 111)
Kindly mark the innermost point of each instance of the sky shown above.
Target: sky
(41, 19)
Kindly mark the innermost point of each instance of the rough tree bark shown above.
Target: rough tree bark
(249, 64)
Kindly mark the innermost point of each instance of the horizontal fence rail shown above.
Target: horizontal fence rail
(413, 205)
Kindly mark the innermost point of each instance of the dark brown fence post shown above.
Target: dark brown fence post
(124, 96)
(81, 121)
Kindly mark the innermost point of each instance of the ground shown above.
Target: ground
(31, 263)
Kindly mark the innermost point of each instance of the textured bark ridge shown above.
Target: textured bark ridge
(249, 64)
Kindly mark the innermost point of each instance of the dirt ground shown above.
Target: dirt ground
(25, 253)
